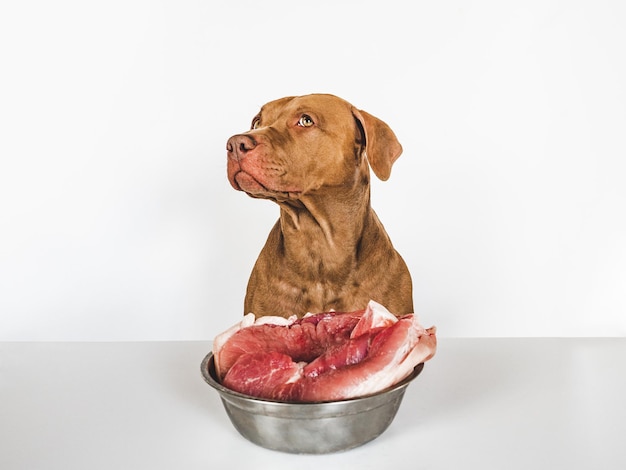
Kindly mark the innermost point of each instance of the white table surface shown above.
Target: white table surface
(478, 404)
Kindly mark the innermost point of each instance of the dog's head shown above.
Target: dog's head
(298, 145)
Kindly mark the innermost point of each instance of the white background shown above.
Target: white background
(118, 222)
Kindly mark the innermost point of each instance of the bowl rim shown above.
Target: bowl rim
(207, 368)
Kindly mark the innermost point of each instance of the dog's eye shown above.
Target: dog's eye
(305, 121)
(256, 123)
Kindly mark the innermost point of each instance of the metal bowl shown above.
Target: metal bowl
(309, 428)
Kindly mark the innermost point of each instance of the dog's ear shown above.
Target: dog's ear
(381, 144)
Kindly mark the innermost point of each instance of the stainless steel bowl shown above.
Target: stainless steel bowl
(309, 428)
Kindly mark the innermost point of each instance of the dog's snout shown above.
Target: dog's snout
(239, 145)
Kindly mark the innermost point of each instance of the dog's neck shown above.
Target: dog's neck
(326, 239)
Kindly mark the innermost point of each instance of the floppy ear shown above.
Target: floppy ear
(381, 144)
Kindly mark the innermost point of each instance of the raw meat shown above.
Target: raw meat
(322, 357)
(302, 340)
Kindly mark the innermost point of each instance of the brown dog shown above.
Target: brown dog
(328, 251)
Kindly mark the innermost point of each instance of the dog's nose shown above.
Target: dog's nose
(239, 145)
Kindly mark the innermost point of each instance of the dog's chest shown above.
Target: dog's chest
(322, 296)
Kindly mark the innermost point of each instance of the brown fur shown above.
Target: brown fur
(328, 250)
